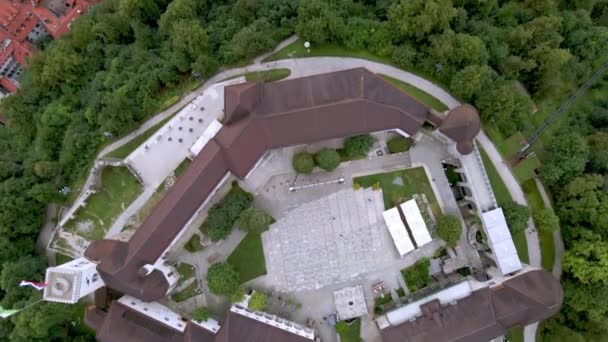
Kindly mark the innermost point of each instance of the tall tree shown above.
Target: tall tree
(417, 19)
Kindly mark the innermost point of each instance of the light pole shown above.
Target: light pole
(307, 46)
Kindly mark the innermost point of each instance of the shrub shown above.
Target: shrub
(356, 186)
(237, 296)
(399, 144)
(303, 162)
(194, 244)
(376, 186)
(222, 279)
(517, 216)
(417, 276)
(223, 215)
(358, 146)
(328, 159)
(201, 314)
(404, 56)
(449, 229)
(257, 301)
(546, 220)
(254, 220)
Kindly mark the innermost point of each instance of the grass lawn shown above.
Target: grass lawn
(516, 335)
(525, 169)
(414, 181)
(416, 93)
(188, 292)
(296, 49)
(181, 168)
(498, 186)
(547, 248)
(126, 149)
(62, 259)
(399, 144)
(185, 270)
(248, 258)
(417, 276)
(503, 196)
(510, 146)
(119, 189)
(349, 332)
(267, 75)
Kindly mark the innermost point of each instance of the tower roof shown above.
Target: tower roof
(462, 125)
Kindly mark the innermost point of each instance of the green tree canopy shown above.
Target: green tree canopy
(566, 157)
(254, 220)
(472, 80)
(328, 159)
(257, 301)
(517, 216)
(303, 162)
(419, 18)
(546, 220)
(237, 296)
(224, 214)
(201, 314)
(449, 229)
(319, 21)
(26, 268)
(222, 279)
(587, 261)
(598, 152)
(48, 321)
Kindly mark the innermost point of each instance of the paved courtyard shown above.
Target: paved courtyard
(328, 241)
(171, 143)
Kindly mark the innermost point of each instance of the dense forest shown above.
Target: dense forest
(505, 56)
(110, 73)
(121, 59)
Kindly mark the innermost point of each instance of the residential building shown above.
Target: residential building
(23, 23)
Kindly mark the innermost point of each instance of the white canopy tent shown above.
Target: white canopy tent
(398, 231)
(207, 135)
(501, 241)
(416, 222)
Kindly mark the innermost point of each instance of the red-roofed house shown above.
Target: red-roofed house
(24, 22)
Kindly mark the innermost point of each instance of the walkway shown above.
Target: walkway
(516, 193)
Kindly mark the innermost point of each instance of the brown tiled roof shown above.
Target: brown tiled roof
(485, 314)
(120, 323)
(462, 125)
(290, 112)
(237, 327)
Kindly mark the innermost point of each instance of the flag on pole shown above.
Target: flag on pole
(37, 286)
(5, 313)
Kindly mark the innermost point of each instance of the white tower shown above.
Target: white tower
(71, 281)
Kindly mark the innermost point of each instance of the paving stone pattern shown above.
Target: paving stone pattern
(328, 241)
